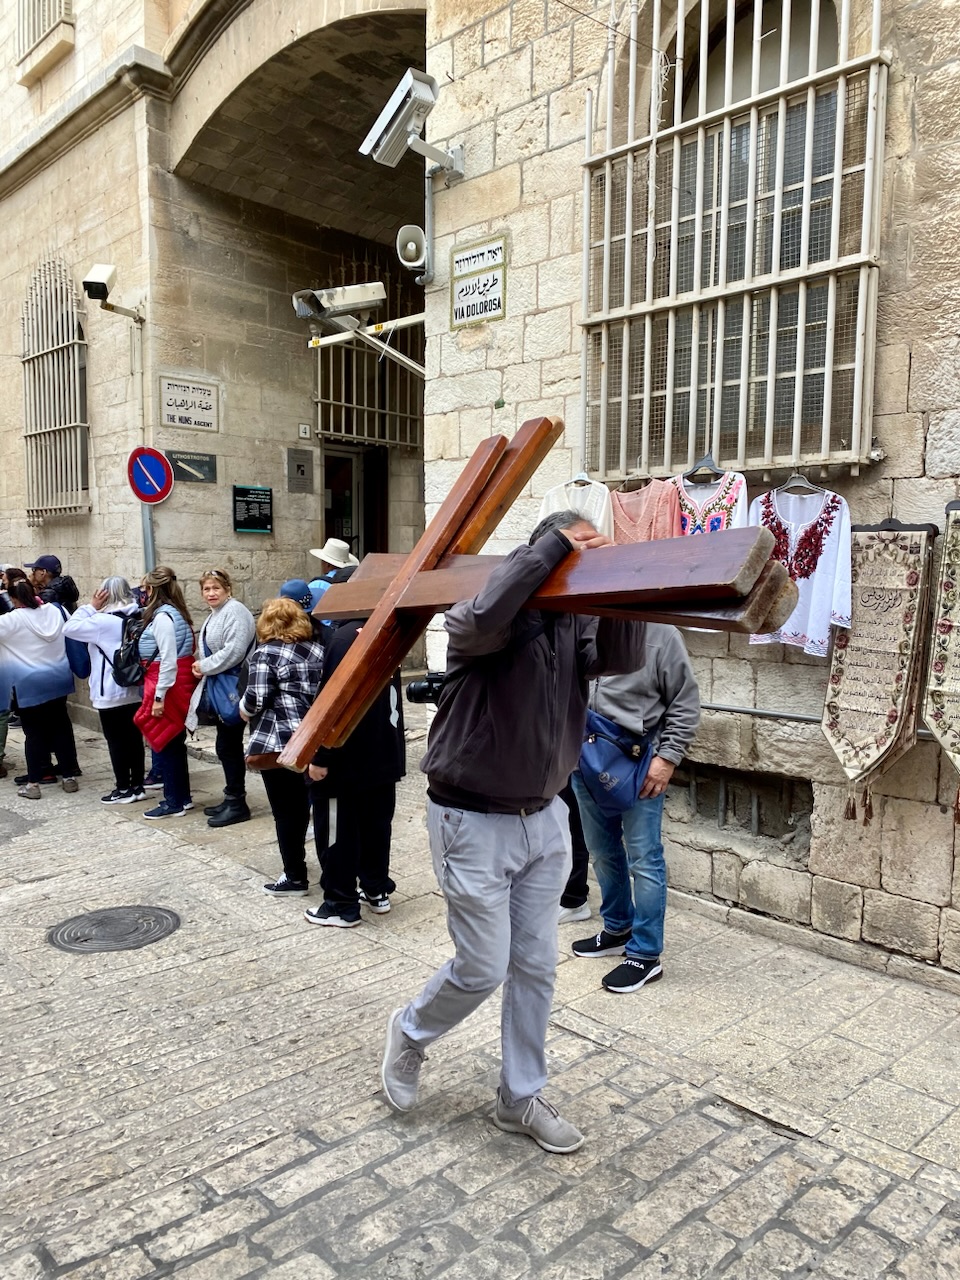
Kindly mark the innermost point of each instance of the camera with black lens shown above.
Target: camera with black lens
(427, 689)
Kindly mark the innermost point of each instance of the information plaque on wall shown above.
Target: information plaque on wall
(252, 509)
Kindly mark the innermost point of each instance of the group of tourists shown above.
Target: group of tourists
(153, 679)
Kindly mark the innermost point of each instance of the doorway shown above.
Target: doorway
(342, 515)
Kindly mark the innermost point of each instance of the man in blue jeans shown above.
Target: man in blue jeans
(661, 699)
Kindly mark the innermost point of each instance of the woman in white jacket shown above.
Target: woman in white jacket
(33, 663)
(99, 625)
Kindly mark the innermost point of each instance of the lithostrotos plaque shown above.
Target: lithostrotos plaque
(870, 712)
(941, 706)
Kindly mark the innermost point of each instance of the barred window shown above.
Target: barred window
(730, 255)
(38, 18)
(54, 396)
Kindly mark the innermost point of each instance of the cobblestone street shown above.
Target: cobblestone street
(208, 1106)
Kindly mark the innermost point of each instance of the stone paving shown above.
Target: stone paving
(208, 1107)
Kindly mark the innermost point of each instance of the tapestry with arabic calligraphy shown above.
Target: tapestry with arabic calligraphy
(941, 705)
(873, 691)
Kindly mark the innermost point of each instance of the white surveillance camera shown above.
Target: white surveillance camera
(412, 246)
(402, 118)
(324, 304)
(99, 281)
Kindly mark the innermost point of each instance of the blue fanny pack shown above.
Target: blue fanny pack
(613, 763)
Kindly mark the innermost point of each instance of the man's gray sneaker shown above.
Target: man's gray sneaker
(400, 1070)
(539, 1121)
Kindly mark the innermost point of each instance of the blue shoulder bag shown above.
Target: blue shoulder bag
(613, 764)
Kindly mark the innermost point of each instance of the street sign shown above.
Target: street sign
(194, 468)
(150, 474)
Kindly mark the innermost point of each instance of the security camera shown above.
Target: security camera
(99, 281)
(329, 310)
(412, 246)
(402, 118)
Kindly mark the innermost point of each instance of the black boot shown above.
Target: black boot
(215, 810)
(234, 810)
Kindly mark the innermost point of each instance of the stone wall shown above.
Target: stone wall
(514, 78)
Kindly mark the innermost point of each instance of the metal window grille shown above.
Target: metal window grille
(730, 250)
(363, 397)
(37, 17)
(54, 396)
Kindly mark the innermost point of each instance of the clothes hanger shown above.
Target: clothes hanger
(708, 464)
(637, 479)
(581, 478)
(797, 482)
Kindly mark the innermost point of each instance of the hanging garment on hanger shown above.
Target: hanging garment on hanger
(710, 508)
(812, 532)
(643, 515)
(588, 497)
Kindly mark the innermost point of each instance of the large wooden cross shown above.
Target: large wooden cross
(723, 582)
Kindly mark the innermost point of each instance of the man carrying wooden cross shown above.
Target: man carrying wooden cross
(506, 737)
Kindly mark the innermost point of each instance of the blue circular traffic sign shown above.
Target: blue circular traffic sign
(150, 474)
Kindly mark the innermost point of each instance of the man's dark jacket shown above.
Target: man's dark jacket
(509, 725)
(61, 590)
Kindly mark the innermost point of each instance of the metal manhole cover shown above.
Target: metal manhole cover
(114, 929)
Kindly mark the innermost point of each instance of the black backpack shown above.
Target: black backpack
(126, 664)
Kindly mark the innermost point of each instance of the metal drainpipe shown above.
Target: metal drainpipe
(798, 717)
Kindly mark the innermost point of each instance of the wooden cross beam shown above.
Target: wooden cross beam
(402, 595)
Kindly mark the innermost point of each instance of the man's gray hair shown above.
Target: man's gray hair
(556, 520)
(118, 592)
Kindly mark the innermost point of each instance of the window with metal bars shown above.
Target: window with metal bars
(54, 396)
(730, 248)
(37, 18)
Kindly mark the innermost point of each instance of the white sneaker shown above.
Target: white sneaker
(567, 914)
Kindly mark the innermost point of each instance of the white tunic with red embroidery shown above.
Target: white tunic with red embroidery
(812, 532)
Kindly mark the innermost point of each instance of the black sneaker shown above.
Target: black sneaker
(284, 888)
(601, 944)
(25, 778)
(335, 917)
(129, 796)
(379, 903)
(152, 782)
(632, 975)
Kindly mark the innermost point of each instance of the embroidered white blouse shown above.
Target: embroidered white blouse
(709, 508)
(812, 532)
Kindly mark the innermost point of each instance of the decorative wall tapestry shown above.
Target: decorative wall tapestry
(941, 706)
(870, 712)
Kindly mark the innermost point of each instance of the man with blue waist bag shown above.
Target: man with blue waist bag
(660, 701)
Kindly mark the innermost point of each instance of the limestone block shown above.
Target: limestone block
(521, 132)
(460, 353)
(475, 425)
(917, 501)
(479, 143)
(470, 390)
(902, 438)
(563, 221)
(556, 468)
(726, 876)
(496, 34)
(740, 647)
(441, 436)
(870, 497)
(703, 670)
(937, 116)
(440, 61)
(558, 281)
(836, 908)
(484, 93)
(687, 868)
(526, 22)
(798, 750)
(916, 851)
(529, 237)
(504, 339)
(491, 195)
(934, 375)
(900, 924)
(776, 891)
(439, 478)
(943, 444)
(589, 48)
(521, 382)
(914, 776)
(891, 379)
(840, 848)
(560, 376)
(717, 740)
(794, 688)
(734, 683)
(567, 119)
(547, 334)
(467, 50)
(708, 644)
(950, 939)
(522, 292)
(552, 174)
(552, 62)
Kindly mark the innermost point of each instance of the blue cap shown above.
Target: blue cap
(297, 589)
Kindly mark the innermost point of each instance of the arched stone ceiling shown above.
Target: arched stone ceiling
(287, 137)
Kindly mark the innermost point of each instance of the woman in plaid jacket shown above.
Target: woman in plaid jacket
(284, 677)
